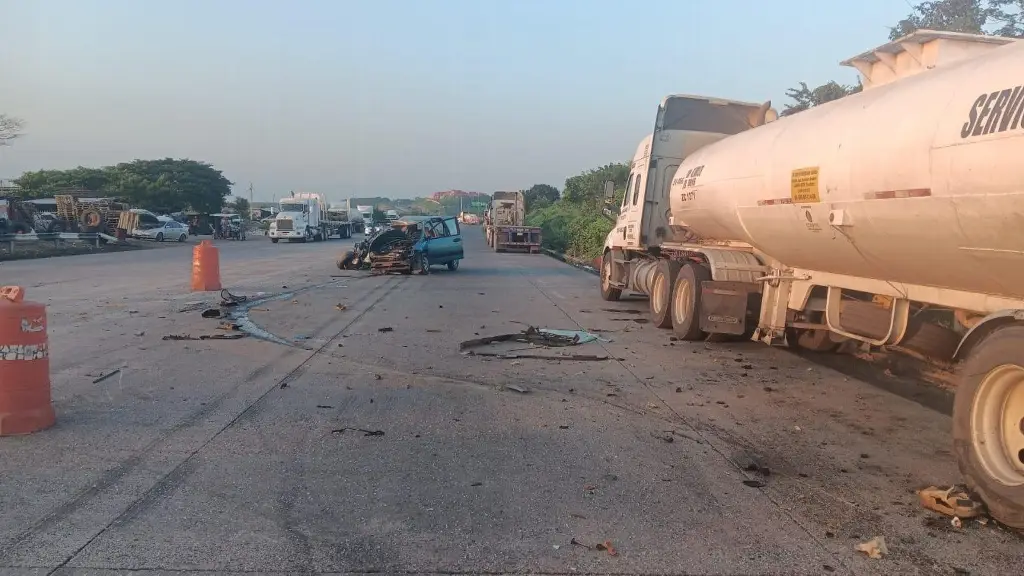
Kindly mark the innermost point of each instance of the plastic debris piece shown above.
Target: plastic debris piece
(874, 548)
(952, 501)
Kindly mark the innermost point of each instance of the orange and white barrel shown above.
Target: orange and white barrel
(25, 402)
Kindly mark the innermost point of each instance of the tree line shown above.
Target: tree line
(163, 186)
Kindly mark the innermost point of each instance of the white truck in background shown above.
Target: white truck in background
(302, 217)
(338, 221)
(889, 218)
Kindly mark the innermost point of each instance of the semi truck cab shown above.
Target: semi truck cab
(684, 124)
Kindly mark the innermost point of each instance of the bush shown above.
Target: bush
(572, 229)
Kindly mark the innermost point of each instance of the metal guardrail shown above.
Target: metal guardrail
(95, 237)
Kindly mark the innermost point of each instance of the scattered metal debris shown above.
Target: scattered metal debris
(754, 483)
(518, 388)
(103, 377)
(365, 432)
(229, 299)
(605, 546)
(212, 313)
(204, 337)
(534, 338)
(385, 329)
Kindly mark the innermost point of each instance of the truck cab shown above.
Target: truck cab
(683, 125)
(298, 219)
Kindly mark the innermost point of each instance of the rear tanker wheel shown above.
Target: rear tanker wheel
(661, 292)
(608, 292)
(988, 424)
(686, 301)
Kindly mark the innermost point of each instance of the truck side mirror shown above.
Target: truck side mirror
(611, 210)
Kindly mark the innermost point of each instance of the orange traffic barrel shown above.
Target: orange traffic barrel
(25, 403)
(205, 267)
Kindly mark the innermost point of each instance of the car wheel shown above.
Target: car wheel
(424, 264)
(453, 265)
(182, 238)
(159, 236)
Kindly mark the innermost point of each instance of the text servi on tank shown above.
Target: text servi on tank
(893, 217)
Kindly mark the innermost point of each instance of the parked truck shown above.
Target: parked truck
(302, 217)
(505, 224)
(338, 222)
(889, 218)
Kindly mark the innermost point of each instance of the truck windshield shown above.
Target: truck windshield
(294, 207)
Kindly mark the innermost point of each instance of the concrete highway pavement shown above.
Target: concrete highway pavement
(246, 456)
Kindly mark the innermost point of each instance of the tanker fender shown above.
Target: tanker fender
(984, 327)
(733, 265)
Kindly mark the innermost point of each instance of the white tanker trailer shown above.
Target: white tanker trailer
(892, 217)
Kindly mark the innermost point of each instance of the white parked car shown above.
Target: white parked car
(170, 230)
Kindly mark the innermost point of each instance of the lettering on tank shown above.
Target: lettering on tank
(803, 185)
(689, 181)
(993, 112)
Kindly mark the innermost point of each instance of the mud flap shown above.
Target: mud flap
(728, 307)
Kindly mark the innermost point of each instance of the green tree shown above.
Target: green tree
(540, 195)
(805, 97)
(242, 206)
(10, 129)
(167, 185)
(588, 187)
(997, 17)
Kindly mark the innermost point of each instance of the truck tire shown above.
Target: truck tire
(91, 220)
(686, 301)
(660, 298)
(988, 423)
(608, 292)
(274, 240)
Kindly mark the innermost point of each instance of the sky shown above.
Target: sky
(396, 98)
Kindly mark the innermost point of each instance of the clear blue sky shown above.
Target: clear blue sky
(396, 97)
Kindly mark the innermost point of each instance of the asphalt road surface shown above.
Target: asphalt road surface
(352, 436)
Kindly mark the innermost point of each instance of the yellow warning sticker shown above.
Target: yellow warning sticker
(803, 188)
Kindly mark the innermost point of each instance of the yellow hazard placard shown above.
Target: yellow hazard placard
(803, 187)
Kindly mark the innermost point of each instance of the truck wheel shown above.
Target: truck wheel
(274, 240)
(988, 424)
(686, 301)
(608, 292)
(660, 298)
(91, 220)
